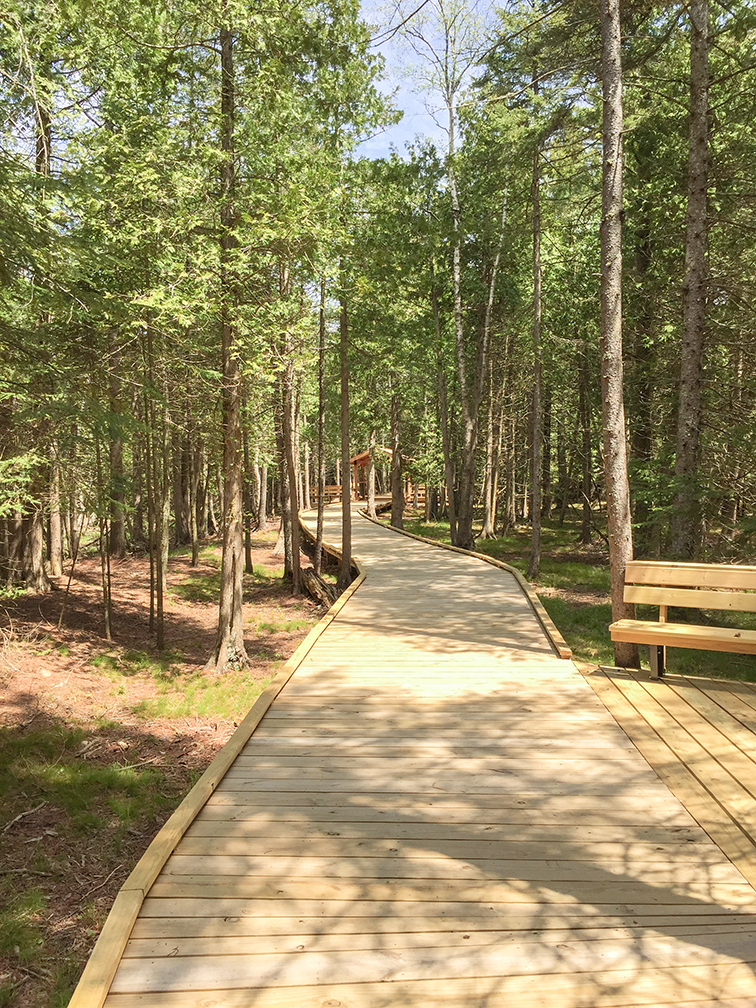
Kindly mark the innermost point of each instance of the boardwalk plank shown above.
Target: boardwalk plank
(437, 810)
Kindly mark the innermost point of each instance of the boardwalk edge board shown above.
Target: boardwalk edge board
(100, 969)
(557, 641)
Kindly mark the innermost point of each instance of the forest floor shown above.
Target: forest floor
(99, 741)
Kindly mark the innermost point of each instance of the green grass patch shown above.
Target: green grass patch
(260, 573)
(282, 626)
(127, 663)
(56, 805)
(208, 554)
(20, 931)
(47, 765)
(201, 586)
(200, 695)
(205, 586)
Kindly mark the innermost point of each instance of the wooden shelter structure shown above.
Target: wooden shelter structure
(360, 464)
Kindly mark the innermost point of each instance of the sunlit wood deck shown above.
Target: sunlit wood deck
(438, 810)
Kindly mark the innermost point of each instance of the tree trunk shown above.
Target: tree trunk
(371, 474)
(397, 484)
(443, 416)
(229, 645)
(318, 560)
(536, 421)
(644, 365)
(345, 567)
(104, 546)
(163, 459)
(262, 504)
(612, 400)
(488, 531)
(546, 497)
(686, 520)
(586, 444)
(56, 527)
(290, 456)
(33, 539)
(469, 399)
(117, 536)
(307, 502)
(195, 473)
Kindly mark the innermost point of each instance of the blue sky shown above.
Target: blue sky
(416, 120)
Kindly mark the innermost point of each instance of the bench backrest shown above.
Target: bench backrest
(701, 586)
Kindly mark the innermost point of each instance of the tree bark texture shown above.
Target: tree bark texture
(612, 400)
(318, 559)
(397, 483)
(229, 644)
(686, 522)
(345, 566)
(536, 415)
(117, 536)
(290, 456)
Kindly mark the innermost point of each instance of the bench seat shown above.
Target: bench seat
(685, 635)
(724, 587)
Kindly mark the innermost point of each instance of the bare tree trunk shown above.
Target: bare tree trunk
(536, 422)
(546, 498)
(195, 471)
(162, 517)
(469, 398)
(33, 539)
(290, 455)
(107, 611)
(586, 443)
(488, 531)
(686, 520)
(443, 416)
(117, 537)
(489, 493)
(371, 474)
(149, 479)
(56, 528)
(138, 478)
(307, 502)
(397, 485)
(262, 504)
(317, 562)
(345, 567)
(229, 645)
(613, 410)
(248, 504)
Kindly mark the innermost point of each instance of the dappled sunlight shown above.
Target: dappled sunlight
(422, 819)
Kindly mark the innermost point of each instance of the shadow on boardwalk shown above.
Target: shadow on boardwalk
(480, 860)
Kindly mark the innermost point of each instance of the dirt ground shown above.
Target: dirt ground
(58, 710)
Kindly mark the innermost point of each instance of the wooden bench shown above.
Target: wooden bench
(692, 585)
(331, 492)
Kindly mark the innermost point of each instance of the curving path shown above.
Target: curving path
(438, 810)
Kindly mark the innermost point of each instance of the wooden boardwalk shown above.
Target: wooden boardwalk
(438, 810)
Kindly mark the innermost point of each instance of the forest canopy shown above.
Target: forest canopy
(197, 263)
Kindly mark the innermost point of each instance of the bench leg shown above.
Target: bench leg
(657, 661)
